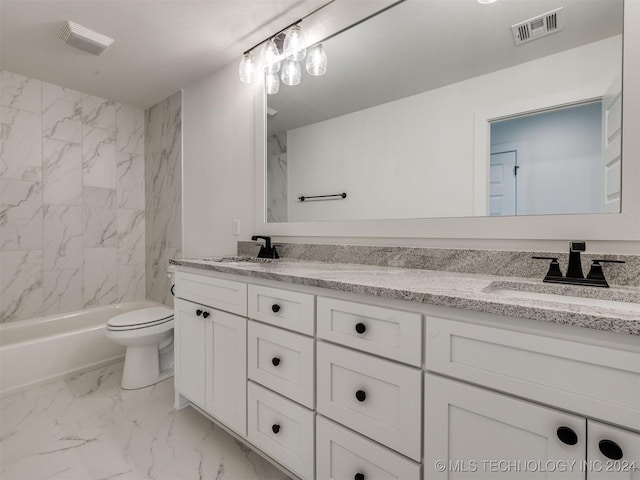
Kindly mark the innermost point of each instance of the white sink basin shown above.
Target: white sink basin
(551, 297)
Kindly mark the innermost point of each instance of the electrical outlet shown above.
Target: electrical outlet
(235, 227)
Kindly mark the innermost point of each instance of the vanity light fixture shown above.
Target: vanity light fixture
(282, 56)
(273, 83)
(317, 60)
(247, 68)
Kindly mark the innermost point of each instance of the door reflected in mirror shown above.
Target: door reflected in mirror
(552, 162)
(458, 125)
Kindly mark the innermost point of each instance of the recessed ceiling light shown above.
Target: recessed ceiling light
(486, 2)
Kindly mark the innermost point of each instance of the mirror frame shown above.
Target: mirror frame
(624, 226)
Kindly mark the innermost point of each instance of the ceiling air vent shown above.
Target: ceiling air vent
(83, 38)
(538, 27)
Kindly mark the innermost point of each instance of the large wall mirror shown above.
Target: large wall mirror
(433, 108)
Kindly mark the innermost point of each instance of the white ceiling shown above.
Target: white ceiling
(160, 46)
(421, 45)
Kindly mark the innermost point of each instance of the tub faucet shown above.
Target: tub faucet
(266, 251)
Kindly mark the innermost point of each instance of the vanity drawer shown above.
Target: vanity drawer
(593, 380)
(341, 453)
(376, 397)
(282, 361)
(390, 333)
(282, 429)
(218, 293)
(282, 308)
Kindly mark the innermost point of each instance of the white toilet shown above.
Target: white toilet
(148, 335)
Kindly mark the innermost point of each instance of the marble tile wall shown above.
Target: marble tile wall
(277, 188)
(72, 201)
(163, 179)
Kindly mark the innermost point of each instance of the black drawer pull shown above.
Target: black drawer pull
(275, 361)
(275, 428)
(358, 476)
(198, 312)
(361, 327)
(205, 314)
(275, 308)
(610, 449)
(567, 436)
(361, 395)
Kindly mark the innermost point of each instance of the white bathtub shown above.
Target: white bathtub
(41, 350)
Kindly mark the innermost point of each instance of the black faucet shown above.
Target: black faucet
(574, 270)
(574, 276)
(266, 251)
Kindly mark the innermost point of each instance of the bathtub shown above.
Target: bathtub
(34, 352)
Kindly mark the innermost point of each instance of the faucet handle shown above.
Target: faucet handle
(554, 266)
(596, 272)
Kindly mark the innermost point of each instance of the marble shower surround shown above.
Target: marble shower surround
(71, 200)
(489, 262)
(277, 171)
(163, 180)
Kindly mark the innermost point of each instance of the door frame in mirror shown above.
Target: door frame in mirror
(624, 226)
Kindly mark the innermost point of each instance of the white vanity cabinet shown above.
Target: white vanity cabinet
(494, 434)
(334, 385)
(475, 432)
(211, 347)
(471, 432)
(189, 351)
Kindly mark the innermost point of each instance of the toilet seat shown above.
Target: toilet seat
(139, 319)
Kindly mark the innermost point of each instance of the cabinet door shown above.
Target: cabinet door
(474, 433)
(612, 453)
(189, 347)
(226, 369)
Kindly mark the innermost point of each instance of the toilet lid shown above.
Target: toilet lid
(142, 317)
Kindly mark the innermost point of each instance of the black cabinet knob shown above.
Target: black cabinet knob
(205, 314)
(275, 308)
(358, 476)
(275, 361)
(361, 395)
(198, 312)
(567, 436)
(610, 449)
(361, 327)
(275, 428)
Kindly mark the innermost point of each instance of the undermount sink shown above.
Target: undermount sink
(552, 297)
(238, 259)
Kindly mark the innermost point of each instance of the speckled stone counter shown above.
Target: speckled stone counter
(449, 289)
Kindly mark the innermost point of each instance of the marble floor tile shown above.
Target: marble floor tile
(86, 428)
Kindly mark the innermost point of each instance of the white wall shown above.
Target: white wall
(218, 163)
(414, 158)
(206, 132)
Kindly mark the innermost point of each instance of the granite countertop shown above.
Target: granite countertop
(456, 290)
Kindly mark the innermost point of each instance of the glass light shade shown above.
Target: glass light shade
(317, 60)
(294, 44)
(273, 83)
(291, 72)
(271, 57)
(247, 69)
